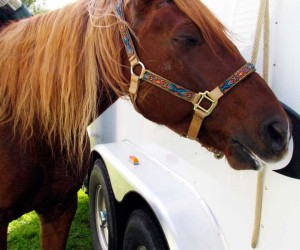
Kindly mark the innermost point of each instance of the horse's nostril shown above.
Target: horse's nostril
(276, 136)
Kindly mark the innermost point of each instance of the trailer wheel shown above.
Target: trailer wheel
(143, 232)
(102, 209)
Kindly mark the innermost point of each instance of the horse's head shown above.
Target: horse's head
(183, 42)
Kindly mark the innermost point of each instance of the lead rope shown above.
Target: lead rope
(263, 20)
(258, 207)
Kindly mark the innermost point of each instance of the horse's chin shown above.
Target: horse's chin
(241, 158)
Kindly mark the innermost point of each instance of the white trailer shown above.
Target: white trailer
(179, 196)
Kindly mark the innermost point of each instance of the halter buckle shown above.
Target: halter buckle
(200, 98)
(137, 63)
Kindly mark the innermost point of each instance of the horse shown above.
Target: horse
(61, 70)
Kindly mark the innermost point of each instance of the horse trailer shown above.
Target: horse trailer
(151, 189)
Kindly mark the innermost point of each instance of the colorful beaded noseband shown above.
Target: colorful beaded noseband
(174, 89)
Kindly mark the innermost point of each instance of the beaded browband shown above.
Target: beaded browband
(175, 89)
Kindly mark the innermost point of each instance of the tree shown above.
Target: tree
(35, 6)
(29, 2)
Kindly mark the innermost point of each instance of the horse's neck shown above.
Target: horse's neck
(107, 97)
(105, 100)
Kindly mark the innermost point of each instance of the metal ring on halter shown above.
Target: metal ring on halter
(134, 65)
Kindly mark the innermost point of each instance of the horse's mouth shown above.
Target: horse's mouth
(245, 157)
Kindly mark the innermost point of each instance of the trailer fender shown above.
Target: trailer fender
(185, 217)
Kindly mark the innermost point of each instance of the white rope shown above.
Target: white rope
(263, 21)
(258, 207)
(266, 43)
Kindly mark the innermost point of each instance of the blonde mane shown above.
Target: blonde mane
(53, 68)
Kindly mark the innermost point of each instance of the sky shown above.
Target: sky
(54, 4)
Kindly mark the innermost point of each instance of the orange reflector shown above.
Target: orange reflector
(134, 160)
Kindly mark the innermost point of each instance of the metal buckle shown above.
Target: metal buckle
(135, 63)
(205, 96)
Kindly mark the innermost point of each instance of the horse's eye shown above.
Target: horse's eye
(187, 40)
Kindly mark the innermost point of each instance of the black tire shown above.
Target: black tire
(101, 199)
(143, 232)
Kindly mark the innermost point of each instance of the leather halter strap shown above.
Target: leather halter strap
(194, 98)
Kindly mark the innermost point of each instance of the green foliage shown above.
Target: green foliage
(24, 233)
(29, 3)
(80, 236)
(36, 6)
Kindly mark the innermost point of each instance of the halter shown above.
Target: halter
(194, 98)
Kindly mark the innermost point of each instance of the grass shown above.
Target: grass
(24, 233)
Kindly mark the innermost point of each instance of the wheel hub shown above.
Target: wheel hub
(103, 218)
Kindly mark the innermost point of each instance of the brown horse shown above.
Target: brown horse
(62, 69)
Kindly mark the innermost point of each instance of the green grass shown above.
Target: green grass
(24, 233)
